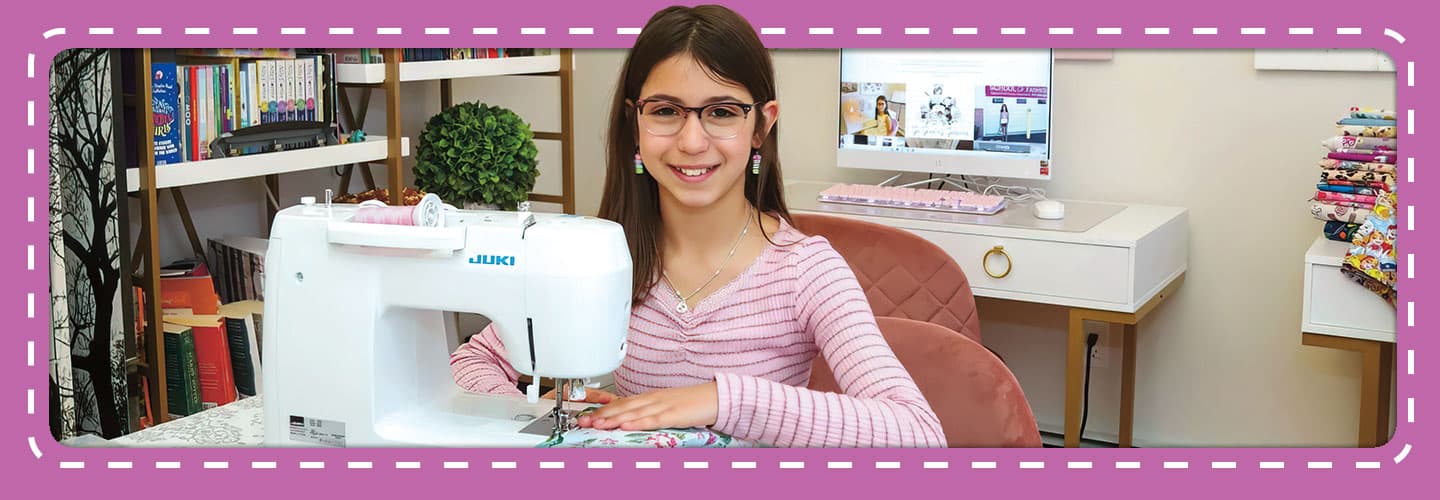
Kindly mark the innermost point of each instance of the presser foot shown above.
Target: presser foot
(549, 425)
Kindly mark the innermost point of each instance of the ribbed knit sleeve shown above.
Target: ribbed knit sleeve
(480, 366)
(880, 407)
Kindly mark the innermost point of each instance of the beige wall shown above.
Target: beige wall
(1220, 364)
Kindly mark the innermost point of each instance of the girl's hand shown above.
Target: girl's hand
(679, 407)
(596, 396)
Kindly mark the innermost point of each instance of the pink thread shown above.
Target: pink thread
(426, 213)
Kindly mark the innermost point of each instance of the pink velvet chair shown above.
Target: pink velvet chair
(977, 399)
(903, 275)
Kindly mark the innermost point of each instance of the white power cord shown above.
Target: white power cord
(989, 186)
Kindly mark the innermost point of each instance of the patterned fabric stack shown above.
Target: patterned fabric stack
(1356, 197)
(1371, 261)
(1359, 168)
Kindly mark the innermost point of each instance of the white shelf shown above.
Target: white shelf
(190, 173)
(1336, 306)
(440, 70)
(1327, 252)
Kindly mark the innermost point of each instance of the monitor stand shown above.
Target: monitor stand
(1080, 216)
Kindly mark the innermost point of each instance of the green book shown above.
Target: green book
(182, 371)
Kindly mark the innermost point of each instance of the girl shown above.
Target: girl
(883, 120)
(731, 303)
(1004, 123)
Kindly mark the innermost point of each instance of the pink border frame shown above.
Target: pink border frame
(37, 464)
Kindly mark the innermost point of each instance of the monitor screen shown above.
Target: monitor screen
(983, 112)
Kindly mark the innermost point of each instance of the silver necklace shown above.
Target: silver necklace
(682, 307)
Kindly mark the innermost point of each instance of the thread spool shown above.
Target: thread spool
(425, 214)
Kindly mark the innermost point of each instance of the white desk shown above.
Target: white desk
(1342, 314)
(1116, 272)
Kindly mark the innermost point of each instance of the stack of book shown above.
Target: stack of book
(212, 346)
(227, 90)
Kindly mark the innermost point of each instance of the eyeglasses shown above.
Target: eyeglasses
(721, 120)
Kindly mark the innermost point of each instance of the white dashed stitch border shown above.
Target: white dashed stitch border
(767, 31)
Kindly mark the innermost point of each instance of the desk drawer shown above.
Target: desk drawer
(1070, 270)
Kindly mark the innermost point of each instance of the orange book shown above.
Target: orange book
(189, 295)
(212, 354)
(149, 418)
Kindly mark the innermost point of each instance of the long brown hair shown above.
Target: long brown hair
(726, 46)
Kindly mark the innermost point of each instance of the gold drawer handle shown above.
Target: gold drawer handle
(985, 262)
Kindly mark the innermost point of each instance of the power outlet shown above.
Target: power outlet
(1100, 354)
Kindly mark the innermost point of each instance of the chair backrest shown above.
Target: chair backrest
(978, 400)
(903, 275)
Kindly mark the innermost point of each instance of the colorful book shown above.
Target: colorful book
(241, 53)
(309, 66)
(192, 112)
(202, 101)
(217, 104)
(291, 88)
(212, 358)
(242, 111)
(186, 295)
(253, 84)
(182, 372)
(183, 121)
(164, 106)
(227, 108)
(244, 345)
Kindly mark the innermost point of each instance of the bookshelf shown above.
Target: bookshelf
(558, 64)
(362, 74)
(374, 148)
(146, 181)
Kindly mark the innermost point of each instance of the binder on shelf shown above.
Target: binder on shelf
(272, 137)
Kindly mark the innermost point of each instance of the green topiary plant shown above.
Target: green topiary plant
(477, 153)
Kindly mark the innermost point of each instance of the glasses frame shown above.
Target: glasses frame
(745, 108)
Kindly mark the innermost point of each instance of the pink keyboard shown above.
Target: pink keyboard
(923, 199)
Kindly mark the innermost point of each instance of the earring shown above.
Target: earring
(639, 166)
(755, 163)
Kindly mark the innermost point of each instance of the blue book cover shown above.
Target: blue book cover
(164, 103)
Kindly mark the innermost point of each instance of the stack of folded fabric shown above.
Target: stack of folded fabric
(1371, 261)
(1359, 168)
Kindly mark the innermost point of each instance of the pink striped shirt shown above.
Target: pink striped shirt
(757, 338)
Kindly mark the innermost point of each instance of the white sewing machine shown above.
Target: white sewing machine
(356, 327)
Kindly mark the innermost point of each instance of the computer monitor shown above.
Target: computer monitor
(982, 112)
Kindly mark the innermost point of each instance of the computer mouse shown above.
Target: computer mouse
(1049, 209)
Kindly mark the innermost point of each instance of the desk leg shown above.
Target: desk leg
(1127, 387)
(1074, 378)
(1377, 361)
